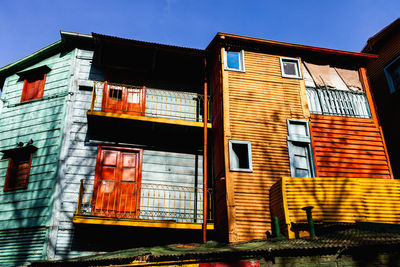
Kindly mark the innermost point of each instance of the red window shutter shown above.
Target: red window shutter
(33, 87)
(18, 172)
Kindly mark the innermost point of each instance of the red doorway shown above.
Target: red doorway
(116, 189)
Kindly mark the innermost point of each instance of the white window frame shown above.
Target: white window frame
(231, 153)
(304, 140)
(389, 76)
(284, 75)
(241, 61)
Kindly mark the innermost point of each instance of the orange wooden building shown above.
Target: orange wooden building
(288, 110)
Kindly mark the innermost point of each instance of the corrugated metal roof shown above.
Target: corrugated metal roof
(332, 240)
(98, 36)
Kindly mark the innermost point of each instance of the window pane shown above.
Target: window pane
(395, 74)
(290, 68)
(232, 59)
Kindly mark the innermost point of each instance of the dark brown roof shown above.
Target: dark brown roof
(107, 38)
(375, 41)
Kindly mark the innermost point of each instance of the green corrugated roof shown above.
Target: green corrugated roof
(331, 241)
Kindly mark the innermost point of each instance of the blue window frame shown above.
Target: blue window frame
(392, 73)
(240, 156)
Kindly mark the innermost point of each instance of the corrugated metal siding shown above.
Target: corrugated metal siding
(159, 167)
(21, 246)
(260, 101)
(348, 147)
(341, 199)
(41, 120)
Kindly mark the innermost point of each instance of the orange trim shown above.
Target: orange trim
(297, 46)
(367, 89)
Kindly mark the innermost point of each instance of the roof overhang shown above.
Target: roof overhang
(226, 38)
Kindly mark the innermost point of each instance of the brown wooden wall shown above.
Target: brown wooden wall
(257, 104)
(348, 147)
(218, 166)
(387, 104)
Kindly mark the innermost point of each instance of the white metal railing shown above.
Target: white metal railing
(150, 102)
(125, 199)
(338, 102)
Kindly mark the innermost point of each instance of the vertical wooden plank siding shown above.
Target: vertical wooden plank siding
(42, 121)
(348, 147)
(260, 101)
(337, 200)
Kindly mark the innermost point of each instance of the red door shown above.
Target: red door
(116, 191)
(122, 99)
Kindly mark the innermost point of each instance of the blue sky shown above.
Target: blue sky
(28, 25)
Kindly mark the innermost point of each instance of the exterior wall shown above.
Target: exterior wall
(256, 105)
(78, 162)
(348, 147)
(344, 200)
(25, 214)
(387, 104)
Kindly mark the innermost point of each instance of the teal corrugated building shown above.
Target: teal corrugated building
(35, 92)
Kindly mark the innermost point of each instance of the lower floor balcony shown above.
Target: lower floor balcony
(126, 203)
(334, 200)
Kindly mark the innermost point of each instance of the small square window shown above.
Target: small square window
(290, 68)
(240, 156)
(234, 60)
(34, 80)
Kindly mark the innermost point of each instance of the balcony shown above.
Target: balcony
(335, 200)
(148, 104)
(110, 202)
(338, 102)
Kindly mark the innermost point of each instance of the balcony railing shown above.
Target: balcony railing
(149, 102)
(146, 201)
(338, 102)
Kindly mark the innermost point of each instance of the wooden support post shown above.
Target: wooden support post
(205, 120)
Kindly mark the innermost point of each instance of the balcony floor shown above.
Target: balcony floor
(146, 118)
(139, 223)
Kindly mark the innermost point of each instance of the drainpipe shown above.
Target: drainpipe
(310, 220)
(205, 120)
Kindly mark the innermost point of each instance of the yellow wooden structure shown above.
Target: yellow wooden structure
(335, 200)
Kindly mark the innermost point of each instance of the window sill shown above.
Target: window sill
(234, 70)
(35, 100)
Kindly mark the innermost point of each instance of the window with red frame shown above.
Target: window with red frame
(33, 86)
(19, 166)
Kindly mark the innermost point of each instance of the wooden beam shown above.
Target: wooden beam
(205, 120)
(139, 223)
(150, 119)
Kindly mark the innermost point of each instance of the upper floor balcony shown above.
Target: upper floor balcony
(145, 104)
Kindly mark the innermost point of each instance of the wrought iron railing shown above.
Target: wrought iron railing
(338, 102)
(150, 102)
(125, 199)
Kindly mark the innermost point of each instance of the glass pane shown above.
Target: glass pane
(290, 68)
(232, 59)
(395, 73)
(297, 129)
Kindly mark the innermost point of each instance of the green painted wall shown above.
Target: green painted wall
(25, 214)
